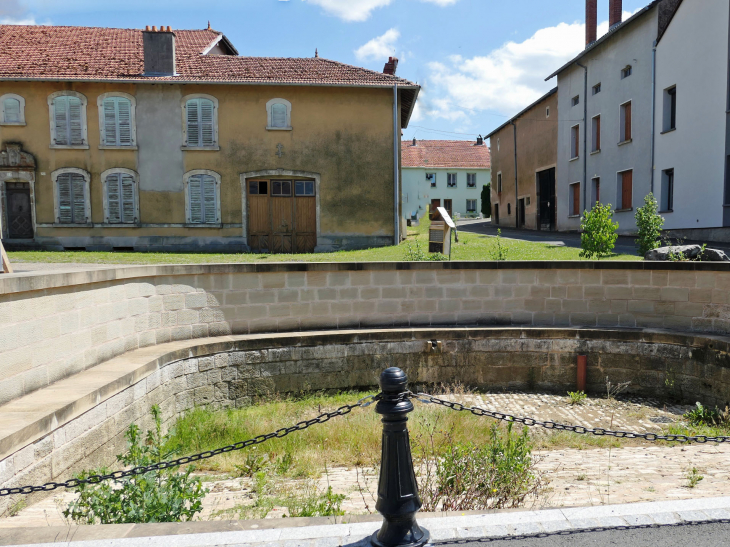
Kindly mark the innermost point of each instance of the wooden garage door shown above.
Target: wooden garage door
(282, 216)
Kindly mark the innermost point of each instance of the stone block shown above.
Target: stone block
(675, 294)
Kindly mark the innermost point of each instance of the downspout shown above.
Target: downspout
(585, 132)
(653, 111)
(517, 199)
(396, 189)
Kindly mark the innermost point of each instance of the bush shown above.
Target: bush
(487, 200)
(649, 224)
(156, 496)
(598, 232)
(704, 415)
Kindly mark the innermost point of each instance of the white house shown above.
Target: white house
(450, 174)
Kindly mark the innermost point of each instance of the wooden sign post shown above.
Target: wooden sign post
(6, 267)
(439, 235)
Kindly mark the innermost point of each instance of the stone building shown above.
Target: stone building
(169, 140)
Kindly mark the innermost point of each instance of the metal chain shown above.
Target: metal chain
(581, 430)
(117, 475)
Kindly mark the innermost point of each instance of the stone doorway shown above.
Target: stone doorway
(20, 218)
(17, 193)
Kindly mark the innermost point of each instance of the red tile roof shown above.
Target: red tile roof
(458, 154)
(107, 54)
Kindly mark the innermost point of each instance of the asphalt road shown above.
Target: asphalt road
(682, 535)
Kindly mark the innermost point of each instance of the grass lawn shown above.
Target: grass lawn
(470, 247)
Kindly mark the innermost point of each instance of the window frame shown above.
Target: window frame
(667, 188)
(456, 180)
(499, 182)
(132, 120)
(184, 110)
(84, 121)
(105, 190)
(472, 186)
(596, 89)
(56, 197)
(571, 200)
(623, 137)
(596, 134)
(432, 183)
(18, 98)
(188, 210)
(305, 182)
(669, 116)
(475, 206)
(619, 191)
(574, 144)
(595, 191)
(627, 72)
(575, 101)
(270, 115)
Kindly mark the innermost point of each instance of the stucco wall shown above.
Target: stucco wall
(417, 192)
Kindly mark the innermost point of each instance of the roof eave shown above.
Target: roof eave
(412, 108)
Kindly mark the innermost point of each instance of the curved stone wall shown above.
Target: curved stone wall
(55, 325)
(79, 422)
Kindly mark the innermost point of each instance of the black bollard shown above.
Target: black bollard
(398, 499)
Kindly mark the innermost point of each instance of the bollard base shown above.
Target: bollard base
(394, 536)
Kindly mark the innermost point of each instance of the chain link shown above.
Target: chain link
(118, 475)
(581, 430)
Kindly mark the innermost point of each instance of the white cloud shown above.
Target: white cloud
(441, 2)
(11, 21)
(360, 10)
(379, 48)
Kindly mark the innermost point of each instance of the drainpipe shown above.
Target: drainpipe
(653, 111)
(585, 132)
(396, 189)
(517, 199)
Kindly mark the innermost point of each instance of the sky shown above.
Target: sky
(479, 62)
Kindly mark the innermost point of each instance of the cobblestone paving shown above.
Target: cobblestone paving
(577, 477)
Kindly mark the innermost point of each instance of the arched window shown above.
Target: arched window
(12, 109)
(202, 196)
(71, 189)
(117, 120)
(200, 122)
(121, 200)
(278, 112)
(68, 120)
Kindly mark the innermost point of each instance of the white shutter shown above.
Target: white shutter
(60, 113)
(110, 122)
(128, 198)
(210, 209)
(124, 118)
(76, 135)
(196, 209)
(278, 115)
(114, 201)
(79, 199)
(206, 123)
(12, 110)
(65, 214)
(193, 122)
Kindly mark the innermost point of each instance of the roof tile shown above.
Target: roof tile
(457, 154)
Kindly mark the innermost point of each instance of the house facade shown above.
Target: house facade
(526, 198)
(169, 140)
(449, 174)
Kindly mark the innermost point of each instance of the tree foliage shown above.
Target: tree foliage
(598, 232)
(649, 224)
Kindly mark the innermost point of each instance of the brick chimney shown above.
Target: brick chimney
(615, 12)
(159, 51)
(391, 66)
(591, 21)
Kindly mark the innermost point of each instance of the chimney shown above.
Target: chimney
(159, 52)
(615, 12)
(391, 66)
(415, 143)
(591, 21)
(480, 141)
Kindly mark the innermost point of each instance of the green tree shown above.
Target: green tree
(487, 200)
(598, 232)
(649, 224)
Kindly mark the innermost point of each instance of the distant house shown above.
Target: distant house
(449, 174)
(169, 140)
(528, 199)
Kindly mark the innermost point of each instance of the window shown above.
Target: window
(625, 131)
(278, 112)
(574, 199)
(596, 131)
(471, 180)
(116, 120)
(574, 142)
(499, 183)
(471, 206)
(626, 72)
(595, 191)
(547, 111)
(200, 122)
(202, 190)
(497, 145)
(451, 180)
(120, 196)
(509, 209)
(597, 89)
(575, 101)
(71, 188)
(304, 188)
(667, 190)
(431, 178)
(281, 188)
(68, 120)
(258, 187)
(625, 190)
(670, 109)
(13, 109)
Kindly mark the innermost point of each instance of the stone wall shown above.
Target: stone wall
(55, 325)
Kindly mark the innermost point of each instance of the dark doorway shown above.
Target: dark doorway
(447, 206)
(496, 213)
(522, 212)
(546, 188)
(433, 214)
(20, 219)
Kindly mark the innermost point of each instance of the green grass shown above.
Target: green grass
(471, 247)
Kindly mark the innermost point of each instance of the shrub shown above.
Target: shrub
(649, 224)
(704, 415)
(577, 397)
(156, 496)
(487, 200)
(598, 232)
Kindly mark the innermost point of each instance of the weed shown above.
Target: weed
(499, 252)
(693, 477)
(703, 415)
(16, 507)
(581, 477)
(614, 390)
(577, 397)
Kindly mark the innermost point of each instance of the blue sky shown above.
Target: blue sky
(479, 61)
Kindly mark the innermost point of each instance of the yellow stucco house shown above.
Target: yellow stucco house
(163, 139)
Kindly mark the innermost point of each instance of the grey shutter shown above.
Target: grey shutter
(113, 196)
(76, 135)
(193, 124)
(110, 122)
(210, 212)
(206, 123)
(12, 110)
(278, 115)
(196, 209)
(65, 214)
(60, 113)
(79, 198)
(124, 118)
(128, 198)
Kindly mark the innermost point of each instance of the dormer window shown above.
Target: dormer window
(278, 112)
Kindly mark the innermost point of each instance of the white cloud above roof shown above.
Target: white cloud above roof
(360, 10)
(380, 47)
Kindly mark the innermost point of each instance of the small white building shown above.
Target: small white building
(448, 174)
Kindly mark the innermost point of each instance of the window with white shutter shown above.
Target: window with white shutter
(121, 197)
(68, 119)
(200, 123)
(12, 109)
(278, 115)
(278, 112)
(202, 194)
(71, 195)
(116, 114)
